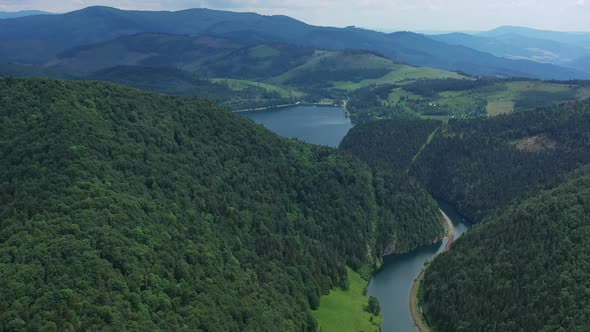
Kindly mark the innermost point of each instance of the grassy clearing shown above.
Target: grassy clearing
(344, 310)
(239, 85)
(335, 61)
(500, 107)
(400, 74)
(500, 98)
(396, 95)
(503, 96)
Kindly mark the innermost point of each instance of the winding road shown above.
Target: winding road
(414, 307)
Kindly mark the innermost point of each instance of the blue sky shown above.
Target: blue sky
(570, 15)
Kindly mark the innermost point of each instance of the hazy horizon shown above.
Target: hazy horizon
(382, 15)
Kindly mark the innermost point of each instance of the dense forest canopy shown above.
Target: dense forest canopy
(525, 269)
(392, 144)
(128, 210)
(481, 164)
(525, 176)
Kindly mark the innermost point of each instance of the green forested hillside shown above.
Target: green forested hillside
(178, 82)
(127, 210)
(525, 269)
(181, 65)
(481, 164)
(390, 144)
(484, 164)
(37, 39)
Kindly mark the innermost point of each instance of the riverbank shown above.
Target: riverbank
(415, 308)
(344, 310)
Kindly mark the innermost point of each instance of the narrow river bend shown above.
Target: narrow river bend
(392, 284)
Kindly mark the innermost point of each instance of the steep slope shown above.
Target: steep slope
(236, 95)
(482, 164)
(333, 69)
(322, 74)
(389, 144)
(181, 83)
(37, 39)
(57, 33)
(220, 57)
(525, 269)
(126, 210)
(145, 49)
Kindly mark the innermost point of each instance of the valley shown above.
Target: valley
(210, 170)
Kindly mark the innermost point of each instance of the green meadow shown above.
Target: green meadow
(343, 310)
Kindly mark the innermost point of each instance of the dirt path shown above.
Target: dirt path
(415, 309)
(428, 140)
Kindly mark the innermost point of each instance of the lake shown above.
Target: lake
(392, 284)
(322, 125)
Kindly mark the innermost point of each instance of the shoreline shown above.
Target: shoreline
(342, 107)
(415, 309)
(266, 108)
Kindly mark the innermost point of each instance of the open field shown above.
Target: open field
(496, 99)
(500, 107)
(400, 74)
(344, 310)
(239, 85)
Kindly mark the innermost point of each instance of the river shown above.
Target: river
(392, 284)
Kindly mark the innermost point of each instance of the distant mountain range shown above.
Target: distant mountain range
(22, 13)
(574, 38)
(183, 65)
(41, 40)
(558, 48)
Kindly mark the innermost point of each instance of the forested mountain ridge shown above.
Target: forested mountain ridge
(22, 13)
(38, 39)
(207, 66)
(208, 56)
(127, 210)
(481, 164)
(524, 269)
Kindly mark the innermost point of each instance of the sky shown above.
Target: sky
(386, 15)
